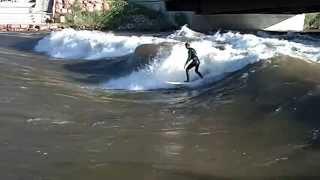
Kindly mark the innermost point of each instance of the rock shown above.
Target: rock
(3, 28)
(43, 27)
(63, 7)
(62, 19)
(35, 28)
(24, 26)
(67, 6)
(15, 26)
(64, 11)
(21, 29)
(58, 11)
(98, 7)
(53, 27)
(58, 6)
(106, 6)
(12, 27)
(90, 9)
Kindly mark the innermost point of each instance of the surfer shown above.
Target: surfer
(192, 56)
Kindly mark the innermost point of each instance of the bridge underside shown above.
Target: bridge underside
(244, 6)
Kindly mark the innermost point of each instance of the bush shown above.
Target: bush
(312, 21)
(122, 16)
(131, 16)
(84, 20)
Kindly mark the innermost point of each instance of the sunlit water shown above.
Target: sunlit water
(97, 106)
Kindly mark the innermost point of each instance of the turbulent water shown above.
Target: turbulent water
(220, 54)
(93, 105)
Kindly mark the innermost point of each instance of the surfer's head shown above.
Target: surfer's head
(187, 45)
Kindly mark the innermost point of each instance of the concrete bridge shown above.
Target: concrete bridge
(205, 15)
(244, 6)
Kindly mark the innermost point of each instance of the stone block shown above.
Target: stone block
(53, 27)
(64, 11)
(3, 26)
(106, 6)
(62, 19)
(98, 7)
(90, 9)
(43, 27)
(15, 26)
(24, 26)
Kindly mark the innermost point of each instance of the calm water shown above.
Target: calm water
(261, 122)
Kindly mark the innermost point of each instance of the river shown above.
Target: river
(91, 105)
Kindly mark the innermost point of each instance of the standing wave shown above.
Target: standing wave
(219, 53)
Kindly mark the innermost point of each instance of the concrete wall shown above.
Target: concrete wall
(23, 12)
(157, 5)
(45, 5)
(203, 22)
(271, 22)
(244, 6)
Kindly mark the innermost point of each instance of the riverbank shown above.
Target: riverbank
(30, 27)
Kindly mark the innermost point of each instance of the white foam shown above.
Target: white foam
(72, 44)
(219, 54)
(238, 50)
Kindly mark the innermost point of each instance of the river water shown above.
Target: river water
(90, 105)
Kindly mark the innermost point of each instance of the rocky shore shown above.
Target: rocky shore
(65, 7)
(30, 27)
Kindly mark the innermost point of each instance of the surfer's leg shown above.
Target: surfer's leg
(197, 70)
(187, 74)
(187, 71)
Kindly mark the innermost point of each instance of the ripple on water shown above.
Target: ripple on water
(49, 120)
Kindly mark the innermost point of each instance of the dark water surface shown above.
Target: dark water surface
(259, 123)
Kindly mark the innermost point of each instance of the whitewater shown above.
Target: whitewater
(220, 53)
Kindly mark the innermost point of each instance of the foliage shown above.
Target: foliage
(115, 15)
(312, 21)
(80, 19)
(131, 16)
(123, 15)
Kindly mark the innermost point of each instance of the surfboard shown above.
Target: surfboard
(176, 83)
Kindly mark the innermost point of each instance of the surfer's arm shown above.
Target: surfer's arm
(186, 62)
(189, 58)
